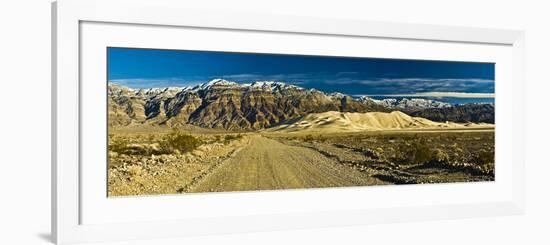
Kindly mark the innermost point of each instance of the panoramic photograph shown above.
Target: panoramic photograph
(182, 121)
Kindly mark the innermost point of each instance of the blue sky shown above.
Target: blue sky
(146, 68)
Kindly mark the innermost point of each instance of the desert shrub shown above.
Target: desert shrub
(439, 159)
(230, 137)
(370, 153)
(179, 141)
(118, 145)
(484, 157)
(308, 138)
(440, 156)
(322, 139)
(137, 149)
(420, 153)
(233, 137)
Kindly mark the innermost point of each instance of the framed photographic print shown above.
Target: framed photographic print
(169, 122)
(208, 121)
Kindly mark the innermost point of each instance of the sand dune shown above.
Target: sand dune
(334, 121)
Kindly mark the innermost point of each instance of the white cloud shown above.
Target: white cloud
(413, 86)
(441, 95)
(155, 83)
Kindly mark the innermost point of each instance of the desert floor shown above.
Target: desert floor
(142, 163)
(267, 164)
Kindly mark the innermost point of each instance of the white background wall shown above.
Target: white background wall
(25, 122)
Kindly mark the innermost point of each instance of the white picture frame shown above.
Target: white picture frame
(67, 195)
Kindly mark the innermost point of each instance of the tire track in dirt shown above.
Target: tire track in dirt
(267, 164)
(209, 171)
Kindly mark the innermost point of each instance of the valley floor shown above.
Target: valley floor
(139, 165)
(267, 164)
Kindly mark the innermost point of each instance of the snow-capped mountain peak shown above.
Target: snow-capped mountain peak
(155, 92)
(407, 104)
(336, 95)
(269, 86)
(217, 82)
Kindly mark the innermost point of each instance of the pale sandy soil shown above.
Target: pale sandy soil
(166, 173)
(334, 122)
(267, 164)
(282, 160)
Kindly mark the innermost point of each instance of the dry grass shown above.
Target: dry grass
(163, 162)
(152, 162)
(406, 157)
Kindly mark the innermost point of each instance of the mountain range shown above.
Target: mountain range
(262, 104)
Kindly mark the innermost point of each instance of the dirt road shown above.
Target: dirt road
(267, 164)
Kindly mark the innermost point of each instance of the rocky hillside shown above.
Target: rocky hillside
(460, 113)
(228, 105)
(224, 104)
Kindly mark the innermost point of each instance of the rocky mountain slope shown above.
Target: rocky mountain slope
(408, 105)
(228, 105)
(461, 113)
(224, 104)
